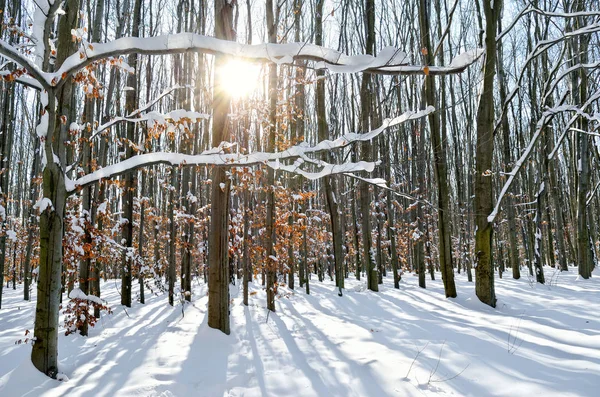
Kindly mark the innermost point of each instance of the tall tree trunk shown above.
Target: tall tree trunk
(270, 222)
(30, 219)
(172, 234)
(539, 266)
(141, 240)
(419, 246)
(439, 144)
(85, 264)
(328, 181)
(584, 254)
(218, 277)
(484, 271)
(6, 120)
(365, 106)
(246, 247)
(44, 354)
(299, 105)
(391, 217)
(131, 103)
(513, 249)
(355, 233)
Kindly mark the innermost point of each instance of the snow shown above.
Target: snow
(191, 198)
(42, 128)
(39, 18)
(216, 156)
(11, 235)
(43, 204)
(76, 293)
(102, 208)
(540, 340)
(388, 60)
(75, 127)
(154, 118)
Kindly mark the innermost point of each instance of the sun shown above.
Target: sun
(239, 78)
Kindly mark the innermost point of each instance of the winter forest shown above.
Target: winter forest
(299, 197)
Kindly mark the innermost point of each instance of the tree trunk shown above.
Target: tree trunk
(484, 271)
(131, 102)
(584, 254)
(271, 261)
(218, 278)
(44, 354)
(246, 247)
(328, 181)
(513, 249)
(45, 349)
(365, 106)
(30, 219)
(439, 144)
(172, 234)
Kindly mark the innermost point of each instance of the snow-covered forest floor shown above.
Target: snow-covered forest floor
(540, 340)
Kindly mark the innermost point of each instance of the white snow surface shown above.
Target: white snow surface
(11, 235)
(43, 204)
(540, 340)
(79, 294)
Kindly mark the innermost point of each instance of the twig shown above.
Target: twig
(512, 349)
(125, 310)
(452, 377)
(415, 359)
(434, 370)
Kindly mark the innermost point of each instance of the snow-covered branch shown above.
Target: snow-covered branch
(546, 117)
(218, 157)
(13, 54)
(382, 184)
(542, 123)
(550, 14)
(388, 61)
(540, 48)
(578, 113)
(153, 119)
(552, 84)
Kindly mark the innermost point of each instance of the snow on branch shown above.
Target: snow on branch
(579, 112)
(13, 54)
(389, 60)
(546, 118)
(154, 119)
(550, 14)
(218, 157)
(552, 84)
(539, 49)
(22, 79)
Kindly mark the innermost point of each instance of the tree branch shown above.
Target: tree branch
(217, 157)
(388, 61)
